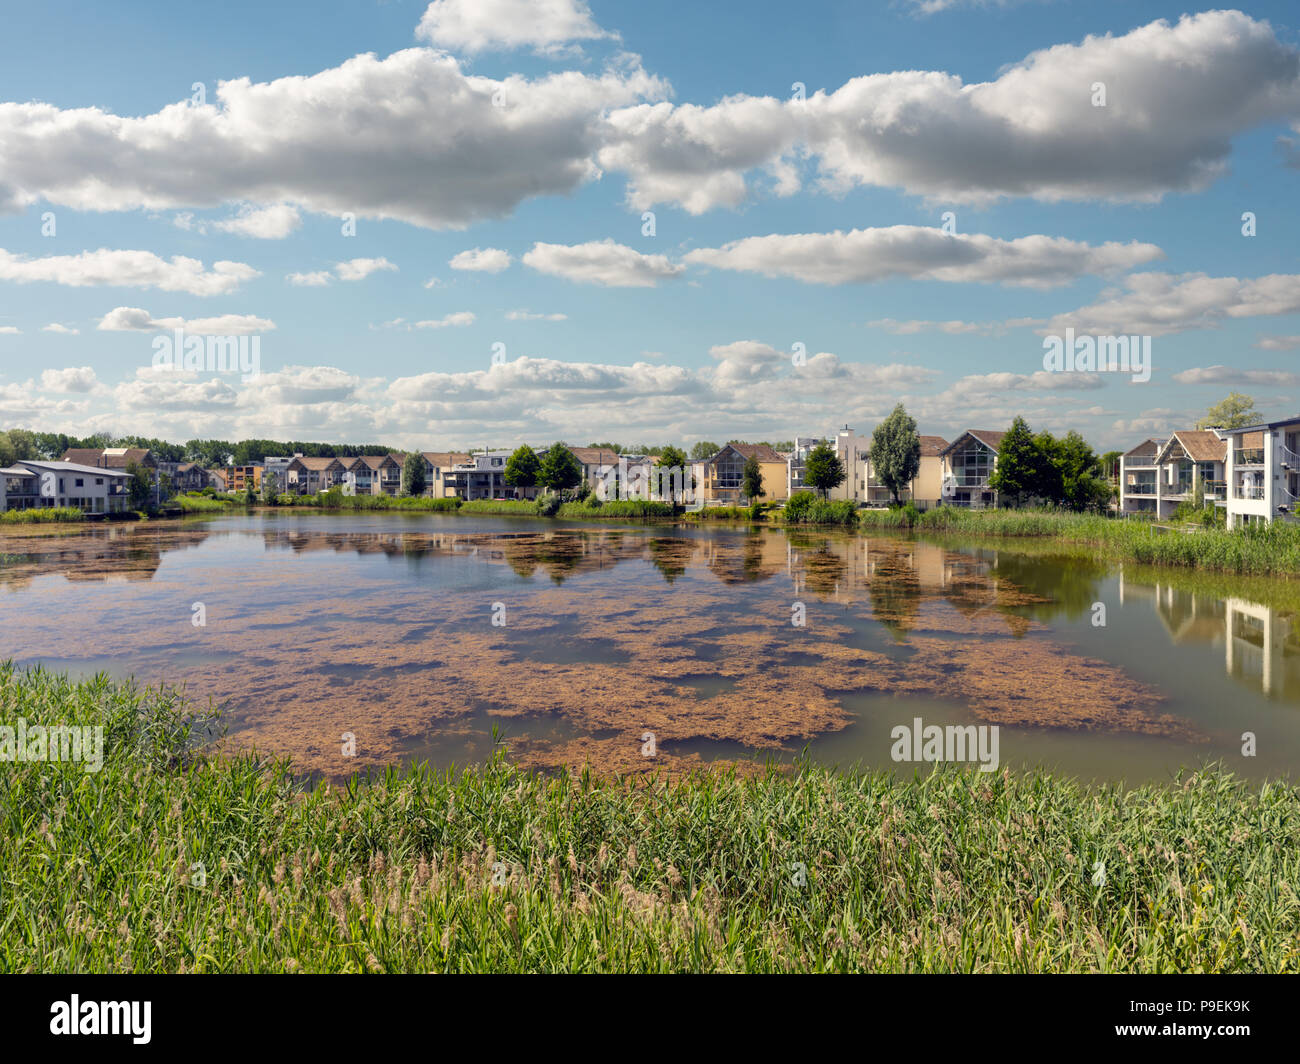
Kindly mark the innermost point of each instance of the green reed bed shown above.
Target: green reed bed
(192, 504)
(495, 870)
(522, 507)
(1257, 550)
(805, 508)
(615, 509)
(41, 515)
(336, 500)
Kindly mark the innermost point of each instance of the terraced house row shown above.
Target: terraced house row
(1252, 472)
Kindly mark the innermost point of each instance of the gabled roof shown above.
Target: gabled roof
(111, 458)
(761, 451)
(314, 464)
(595, 455)
(370, 461)
(444, 459)
(1200, 445)
(933, 446)
(1148, 446)
(990, 439)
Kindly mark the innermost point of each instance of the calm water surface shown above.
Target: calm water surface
(418, 633)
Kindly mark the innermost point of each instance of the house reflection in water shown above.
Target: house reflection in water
(1261, 645)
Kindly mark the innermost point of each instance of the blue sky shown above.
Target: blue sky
(778, 222)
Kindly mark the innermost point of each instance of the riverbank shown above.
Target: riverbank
(169, 859)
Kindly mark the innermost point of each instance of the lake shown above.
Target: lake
(348, 641)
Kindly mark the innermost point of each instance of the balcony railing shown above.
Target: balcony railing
(1140, 489)
(1147, 462)
(1254, 491)
(1248, 456)
(971, 480)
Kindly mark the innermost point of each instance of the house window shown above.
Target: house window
(80, 483)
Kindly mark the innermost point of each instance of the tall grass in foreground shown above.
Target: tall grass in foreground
(1255, 550)
(957, 871)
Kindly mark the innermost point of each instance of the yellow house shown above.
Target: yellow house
(926, 487)
(720, 479)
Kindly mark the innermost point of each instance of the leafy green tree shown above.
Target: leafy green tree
(1231, 413)
(140, 486)
(1049, 477)
(23, 444)
(751, 479)
(823, 469)
(1083, 481)
(1110, 465)
(704, 449)
(413, 474)
(560, 469)
(671, 457)
(1018, 475)
(523, 468)
(896, 452)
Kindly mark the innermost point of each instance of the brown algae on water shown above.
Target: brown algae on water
(607, 635)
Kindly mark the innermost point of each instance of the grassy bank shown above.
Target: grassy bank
(41, 516)
(616, 509)
(813, 870)
(518, 507)
(1266, 550)
(338, 501)
(201, 504)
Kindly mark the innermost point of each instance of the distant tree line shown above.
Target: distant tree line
(17, 444)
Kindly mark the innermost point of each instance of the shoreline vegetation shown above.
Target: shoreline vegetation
(1270, 550)
(44, 516)
(243, 867)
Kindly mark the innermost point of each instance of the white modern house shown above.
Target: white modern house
(796, 459)
(1180, 459)
(849, 447)
(482, 476)
(1137, 477)
(968, 463)
(29, 484)
(1263, 472)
